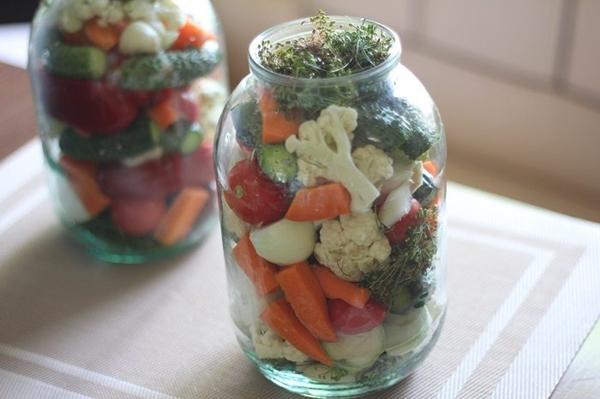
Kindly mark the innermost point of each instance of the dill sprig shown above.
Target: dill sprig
(407, 262)
(329, 50)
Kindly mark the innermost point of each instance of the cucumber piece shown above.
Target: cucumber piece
(406, 333)
(359, 351)
(138, 138)
(247, 121)
(78, 62)
(426, 191)
(169, 69)
(277, 163)
(183, 137)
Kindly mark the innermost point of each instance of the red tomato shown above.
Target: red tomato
(158, 178)
(350, 320)
(152, 179)
(137, 217)
(254, 197)
(184, 102)
(92, 106)
(198, 168)
(77, 38)
(397, 233)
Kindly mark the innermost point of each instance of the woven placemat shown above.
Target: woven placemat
(522, 288)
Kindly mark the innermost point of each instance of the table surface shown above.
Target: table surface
(17, 126)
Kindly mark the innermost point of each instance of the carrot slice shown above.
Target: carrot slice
(104, 37)
(276, 128)
(260, 271)
(164, 114)
(180, 218)
(82, 176)
(431, 167)
(319, 203)
(337, 288)
(191, 35)
(280, 316)
(303, 291)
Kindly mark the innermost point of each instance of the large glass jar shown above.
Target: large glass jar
(332, 199)
(128, 96)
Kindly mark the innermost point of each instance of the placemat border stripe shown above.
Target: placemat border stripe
(518, 294)
(556, 336)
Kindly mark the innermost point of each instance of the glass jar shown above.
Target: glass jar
(128, 96)
(332, 200)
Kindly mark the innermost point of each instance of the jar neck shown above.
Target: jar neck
(301, 28)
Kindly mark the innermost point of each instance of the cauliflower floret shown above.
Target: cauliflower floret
(140, 10)
(75, 13)
(268, 345)
(374, 163)
(139, 38)
(352, 245)
(212, 96)
(68, 19)
(325, 144)
(171, 15)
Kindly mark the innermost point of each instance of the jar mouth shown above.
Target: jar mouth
(301, 27)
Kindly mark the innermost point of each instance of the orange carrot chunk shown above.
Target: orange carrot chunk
(180, 218)
(82, 176)
(260, 271)
(104, 37)
(430, 167)
(280, 316)
(164, 114)
(337, 288)
(276, 128)
(319, 203)
(191, 35)
(303, 291)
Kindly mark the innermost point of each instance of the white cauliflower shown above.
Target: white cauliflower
(325, 145)
(374, 163)
(268, 345)
(352, 245)
(211, 95)
(164, 16)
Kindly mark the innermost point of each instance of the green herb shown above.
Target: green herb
(407, 262)
(328, 51)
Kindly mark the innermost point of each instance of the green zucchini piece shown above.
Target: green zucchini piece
(169, 69)
(138, 138)
(78, 62)
(247, 121)
(277, 163)
(183, 137)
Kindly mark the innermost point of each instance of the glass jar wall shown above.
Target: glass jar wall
(332, 199)
(128, 96)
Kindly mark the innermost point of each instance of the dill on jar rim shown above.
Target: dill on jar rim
(328, 51)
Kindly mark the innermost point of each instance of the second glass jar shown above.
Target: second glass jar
(128, 96)
(332, 196)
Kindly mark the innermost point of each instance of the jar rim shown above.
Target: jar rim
(300, 27)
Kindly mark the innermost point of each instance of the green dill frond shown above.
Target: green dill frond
(407, 262)
(328, 51)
